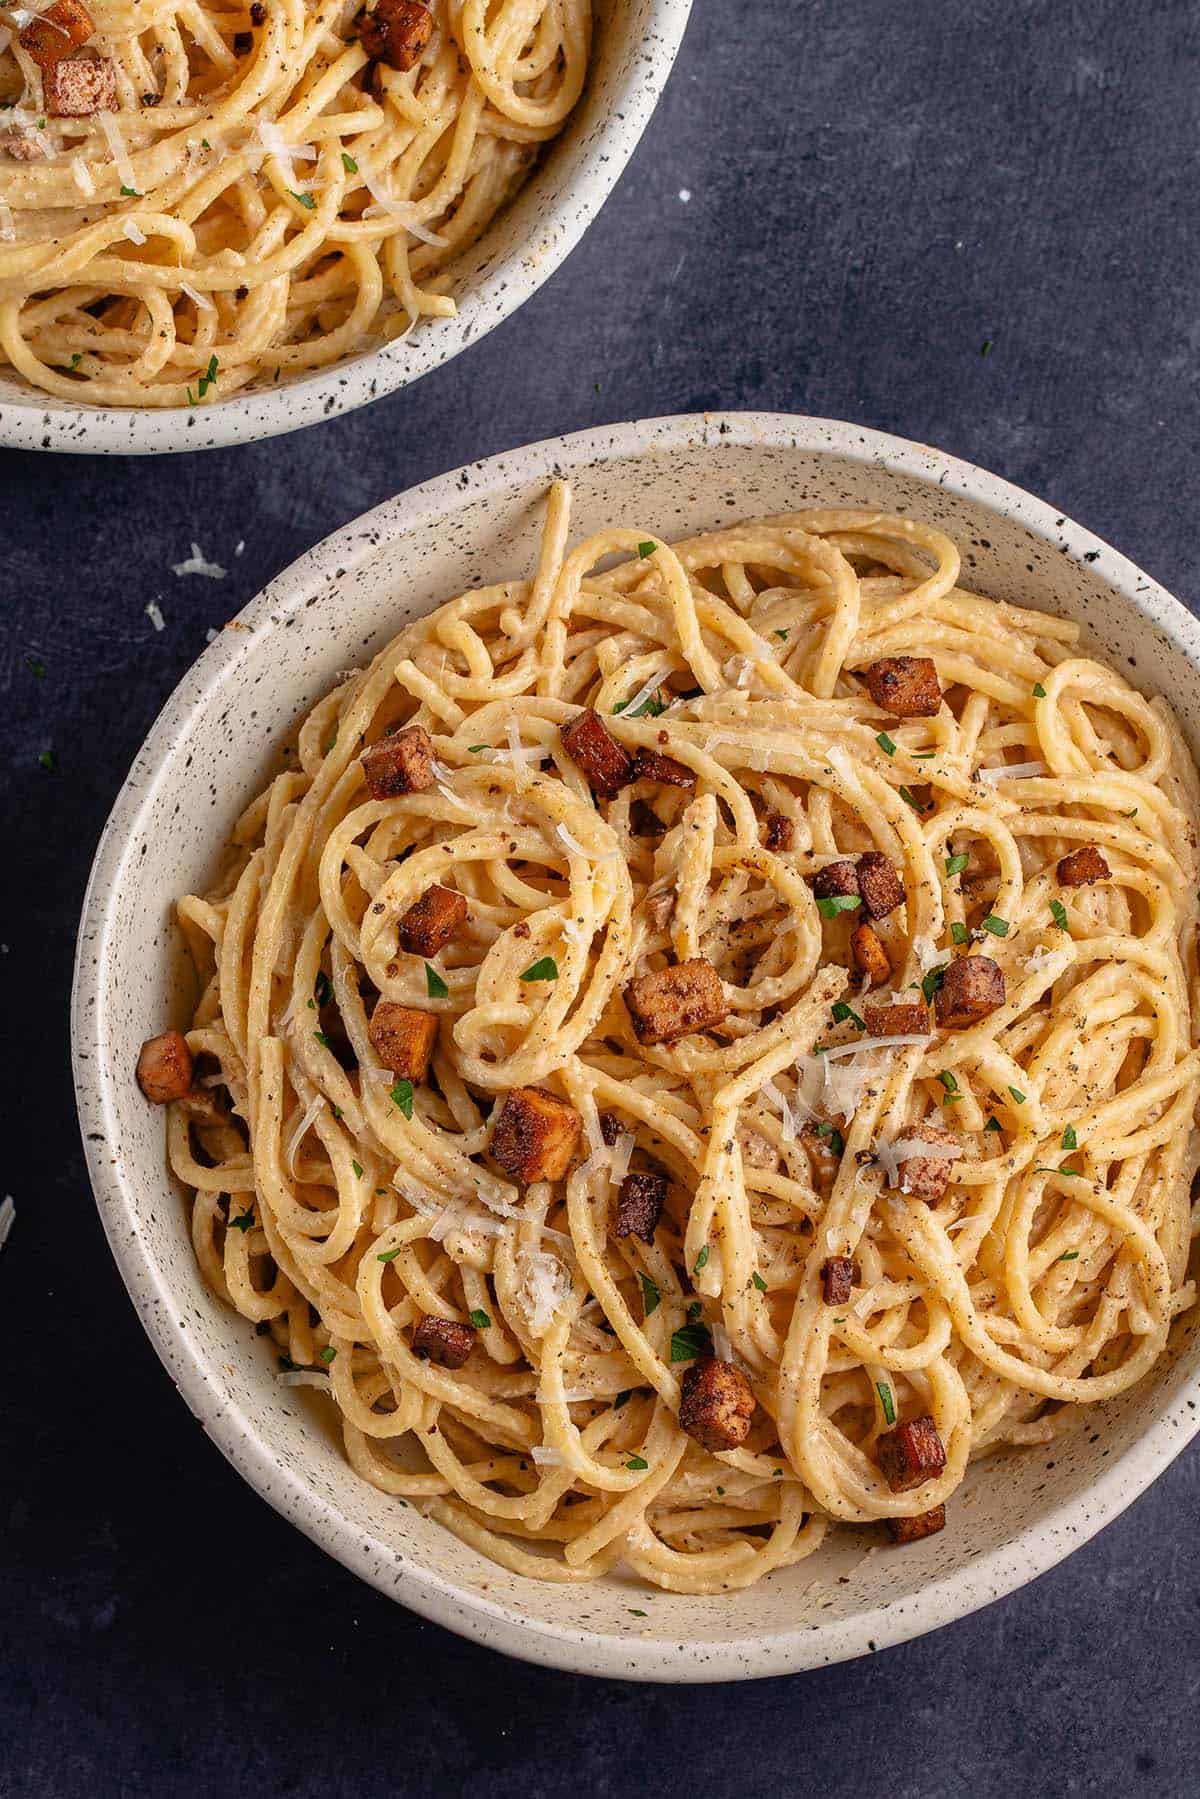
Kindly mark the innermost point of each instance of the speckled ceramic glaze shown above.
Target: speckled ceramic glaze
(208, 754)
(635, 44)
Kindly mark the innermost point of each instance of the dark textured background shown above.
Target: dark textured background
(876, 191)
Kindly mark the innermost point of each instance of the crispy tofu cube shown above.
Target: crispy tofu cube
(1082, 867)
(926, 1177)
(896, 1021)
(403, 1038)
(535, 1136)
(778, 833)
(911, 1454)
(911, 1530)
(649, 765)
(870, 957)
(53, 34)
(164, 1067)
(24, 146)
(676, 1001)
(80, 86)
(443, 1341)
(640, 1203)
(905, 686)
(837, 880)
(605, 764)
(396, 32)
(716, 1404)
(880, 885)
(399, 763)
(431, 921)
(838, 1275)
(971, 988)
(824, 1147)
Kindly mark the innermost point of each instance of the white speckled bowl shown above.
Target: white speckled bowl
(635, 46)
(207, 756)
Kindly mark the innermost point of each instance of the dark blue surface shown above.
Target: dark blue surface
(876, 191)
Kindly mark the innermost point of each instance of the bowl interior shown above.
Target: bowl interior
(209, 754)
(634, 45)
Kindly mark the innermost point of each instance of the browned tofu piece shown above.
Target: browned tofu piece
(716, 1404)
(837, 880)
(778, 833)
(926, 1177)
(605, 764)
(164, 1067)
(675, 1001)
(905, 686)
(396, 32)
(896, 1021)
(431, 921)
(910, 1454)
(911, 1530)
(1082, 867)
(536, 1135)
(880, 885)
(971, 988)
(870, 957)
(24, 146)
(443, 1341)
(56, 32)
(403, 1038)
(399, 763)
(650, 765)
(824, 1147)
(640, 1203)
(838, 1276)
(80, 86)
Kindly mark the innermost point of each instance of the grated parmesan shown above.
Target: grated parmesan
(303, 1377)
(399, 209)
(133, 233)
(81, 175)
(622, 1150)
(632, 706)
(198, 564)
(116, 143)
(1013, 771)
(544, 1289)
(298, 1135)
(546, 1458)
(8, 1213)
(154, 614)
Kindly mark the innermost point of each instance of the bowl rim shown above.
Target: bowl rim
(39, 422)
(1035, 1549)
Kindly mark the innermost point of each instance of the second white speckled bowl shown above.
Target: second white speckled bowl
(208, 754)
(635, 46)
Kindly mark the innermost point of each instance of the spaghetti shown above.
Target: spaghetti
(256, 195)
(875, 1253)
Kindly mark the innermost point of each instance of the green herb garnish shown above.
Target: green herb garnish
(647, 548)
(305, 200)
(701, 1260)
(544, 970)
(885, 1399)
(244, 1222)
(322, 988)
(435, 987)
(349, 164)
(842, 1012)
(1070, 1140)
(887, 744)
(327, 1355)
(650, 1293)
(759, 1282)
(1039, 692)
(479, 1319)
(999, 927)
(389, 1255)
(1071, 1255)
(956, 864)
(837, 1142)
(782, 636)
(322, 1039)
(1017, 1095)
(402, 1095)
(910, 797)
(1058, 913)
(838, 902)
(689, 1341)
(933, 980)
(993, 1124)
(959, 932)
(46, 758)
(130, 193)
(951, 1085)
(635, 1465)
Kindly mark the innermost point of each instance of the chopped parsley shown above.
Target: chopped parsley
(1017, 1095)
(1039, 692)
(477, 749)
(245, 1221)
(951, 1085)
(357, 1167)
(479, 1319)
(76, 359)
(209, 377)
(389, 1255)
(130, 193)
(402, 1095)
(907, 794)
(999, 927)
(887, 744)
(923, 755)
(837, 1142)
(689, 1341)
(349, 164)
(1072, 1255)
(322, 1039)
(1132, 813)
(650, 1293)
(327, 1355)
(650, 707)
(956, 864)
(647, 549)
(544, 970)
(701, 1260)
(1044, 1168)
(993, 1124)
(959, 932)
(1070, 1140)
(782, 636)
(759, 1282)
(633, 1610)
(635, 1465)
(986, 347)
(435, 987)
(933, 980)
(886, 1400)
(305, 200)
(842, 1012)
(834, 903)
(1058, 913)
